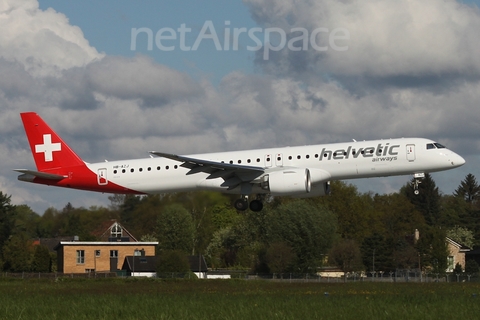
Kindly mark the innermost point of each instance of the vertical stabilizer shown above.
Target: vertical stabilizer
(48, 149)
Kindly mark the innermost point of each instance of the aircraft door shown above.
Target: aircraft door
(268, 160)
(410, 152)
(102, 177)
(279, 160)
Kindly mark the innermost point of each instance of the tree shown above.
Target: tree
(469, 190)
(42, 261)
(427, 201)
(471, 267)
(223, 241)
(279, 257)
(433, 250)
(18, 253)
(203, 206)
(172, 261)
(405, 256)
(47, 224)
(307, 228)
(353, 210)
(461, 235)
(175, 229)
(458, 269)
(127, 208)
(346, 255)
(7, 220)
(377, 253)
(396, 215)
(26, 221)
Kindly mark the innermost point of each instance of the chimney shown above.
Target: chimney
(416, 237)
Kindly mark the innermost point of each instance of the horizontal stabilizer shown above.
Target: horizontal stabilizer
(29, 174)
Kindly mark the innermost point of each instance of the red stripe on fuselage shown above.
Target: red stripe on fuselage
(81, 177)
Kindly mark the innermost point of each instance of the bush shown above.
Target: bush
(175, 261)
(471, 267)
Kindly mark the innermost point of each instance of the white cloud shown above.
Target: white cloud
(43, 41)
(387, 38)
(140, 77)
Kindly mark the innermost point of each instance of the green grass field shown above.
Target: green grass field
(234, 299)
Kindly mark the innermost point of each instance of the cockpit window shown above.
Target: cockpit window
(435, 145)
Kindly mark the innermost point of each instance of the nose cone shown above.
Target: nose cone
(457, 160)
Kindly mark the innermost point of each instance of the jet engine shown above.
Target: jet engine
(288, 182)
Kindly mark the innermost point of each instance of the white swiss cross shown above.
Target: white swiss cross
(48, 147)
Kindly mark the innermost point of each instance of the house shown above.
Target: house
(457, 253)
(140, 266)
(91, 256)
(112, 231)
(145, 266)
(105, 255)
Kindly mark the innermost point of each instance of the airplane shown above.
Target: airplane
(303, 171)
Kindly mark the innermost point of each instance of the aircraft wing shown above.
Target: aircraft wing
(215, 169)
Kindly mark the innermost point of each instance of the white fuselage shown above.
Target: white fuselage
(338, 161)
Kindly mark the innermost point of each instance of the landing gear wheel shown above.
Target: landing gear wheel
(256, 205)
(417, 179)
(241, 204)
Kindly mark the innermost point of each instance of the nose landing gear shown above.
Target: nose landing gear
(417, 179)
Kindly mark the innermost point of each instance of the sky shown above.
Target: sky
(118, 78)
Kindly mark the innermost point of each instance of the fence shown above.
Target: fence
(40, 275)
(399, 276)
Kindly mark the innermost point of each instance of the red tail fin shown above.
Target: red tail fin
(48, 149)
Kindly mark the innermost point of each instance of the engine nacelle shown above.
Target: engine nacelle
(288, 182)
(318, 189)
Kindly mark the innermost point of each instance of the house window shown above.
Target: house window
(450, 263)
(97, 253)
(113, 253)
(116, 231)
(80, 256)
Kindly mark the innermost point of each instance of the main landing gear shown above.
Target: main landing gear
(417, 179)
(242, 204)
